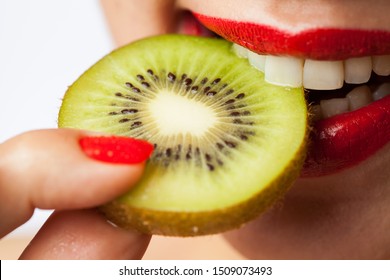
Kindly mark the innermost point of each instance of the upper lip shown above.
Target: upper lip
(319, 43)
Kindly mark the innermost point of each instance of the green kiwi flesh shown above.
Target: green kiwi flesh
(227, 144)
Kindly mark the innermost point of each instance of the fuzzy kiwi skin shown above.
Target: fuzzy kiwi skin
(187, 224)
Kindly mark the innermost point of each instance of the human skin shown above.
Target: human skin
(47, 169)
(342, 215)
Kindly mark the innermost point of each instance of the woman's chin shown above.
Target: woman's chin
(340, 216)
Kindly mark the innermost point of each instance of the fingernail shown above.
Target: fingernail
(116, 149)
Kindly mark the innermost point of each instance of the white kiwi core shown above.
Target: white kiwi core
(175, 114)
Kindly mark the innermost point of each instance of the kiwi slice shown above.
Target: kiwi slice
(227, 144)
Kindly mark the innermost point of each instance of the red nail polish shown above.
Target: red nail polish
(116, 149)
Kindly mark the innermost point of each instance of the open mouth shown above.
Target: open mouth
(345, 74)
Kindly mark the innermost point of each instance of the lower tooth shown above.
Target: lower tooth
(333, 107)
(382, 91)
(359, 97)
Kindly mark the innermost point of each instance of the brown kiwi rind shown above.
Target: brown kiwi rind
(255, 173)
(187, 224)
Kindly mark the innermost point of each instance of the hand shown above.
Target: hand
(48, 169)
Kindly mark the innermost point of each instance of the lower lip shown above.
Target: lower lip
(342, 141)
(345, 140)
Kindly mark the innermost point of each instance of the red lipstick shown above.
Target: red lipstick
(321, 44)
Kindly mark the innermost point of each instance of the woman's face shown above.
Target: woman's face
(340, 207)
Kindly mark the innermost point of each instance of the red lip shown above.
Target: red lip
(321, 44)
(341, 141)
(347, 139)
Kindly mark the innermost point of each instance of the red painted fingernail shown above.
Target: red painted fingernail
(116, 149)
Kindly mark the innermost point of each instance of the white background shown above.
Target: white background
(44, 46)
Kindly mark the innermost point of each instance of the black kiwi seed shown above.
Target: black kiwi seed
(140, 77)
(240, 96)
(206, 89)
(136, 124)
(129, 111)
(235, 114)
(204, 81)
(216, 81)
(219, 146)
(230, 91)
(230, 101)
(230, 144)
(211, 93)
(171, 77)
(194, 89)
(210, 166)
(223, 86)
(188, 81)
(145, 84)
(136, 90)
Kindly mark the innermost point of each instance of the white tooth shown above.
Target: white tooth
(256, 60)
(381, 64)
(359, 97)
(382, 91)
(323, 75)
(283, 71)
(357, 70)
(332, 107)
(240, 51)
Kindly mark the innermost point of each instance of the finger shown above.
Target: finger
(48, 169)
(84, 234)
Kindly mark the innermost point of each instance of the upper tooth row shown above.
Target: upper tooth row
(316, 74)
